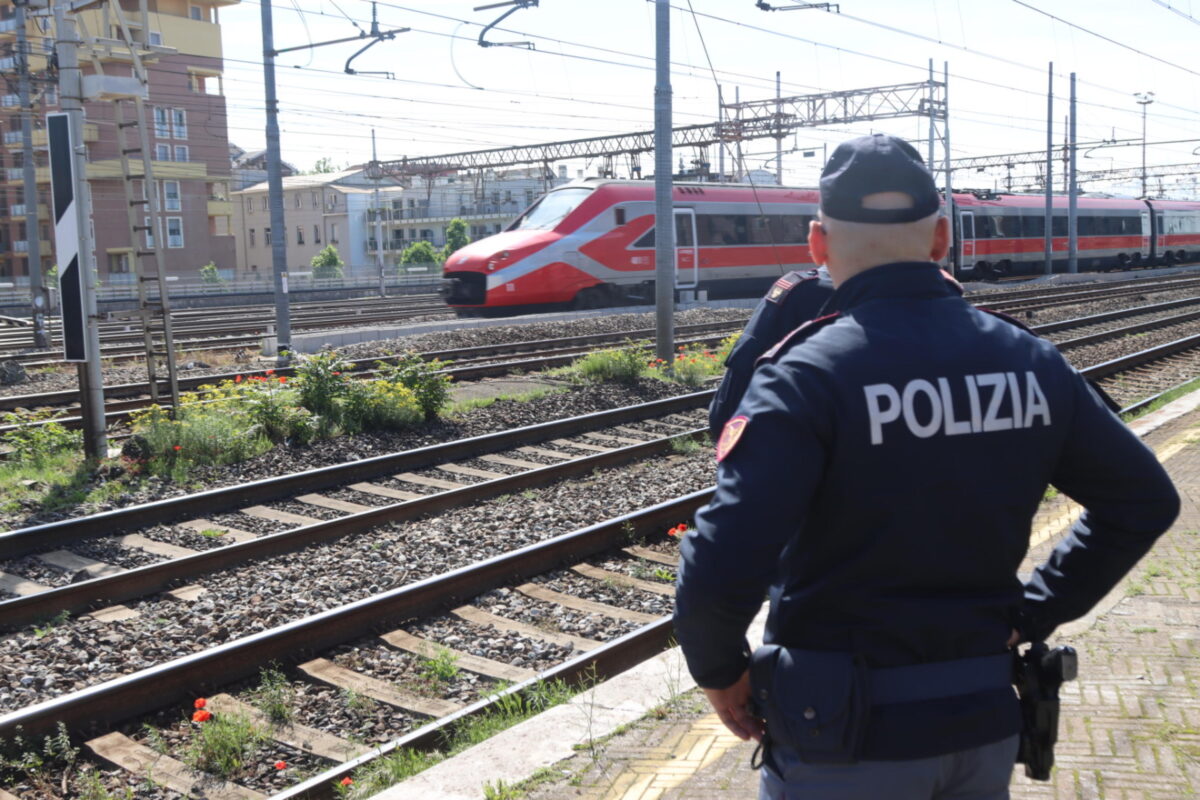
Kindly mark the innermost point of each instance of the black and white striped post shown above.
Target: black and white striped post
(73, 238)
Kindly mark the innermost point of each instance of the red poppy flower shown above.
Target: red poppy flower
(270, 372)
(280, 765)
(178, 448)
(282, 379)
(347, 782)
(200, 702)
(238, 379)
(337, 373)
(202, 716)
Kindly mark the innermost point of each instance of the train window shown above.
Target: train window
(715, 230)
(683, 231)
(984, 229)
(551, 209)
(790, 228)
(1058, 225)
(619, 216)
(1033, 227)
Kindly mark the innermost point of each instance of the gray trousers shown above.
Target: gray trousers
(979, 774)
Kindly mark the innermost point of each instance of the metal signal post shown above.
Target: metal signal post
(664, 201)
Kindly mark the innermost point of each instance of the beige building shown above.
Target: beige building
(318, 210)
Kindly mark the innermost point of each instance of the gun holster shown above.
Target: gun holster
(1038, 673)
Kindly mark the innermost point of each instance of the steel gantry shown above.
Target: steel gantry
(757, 119)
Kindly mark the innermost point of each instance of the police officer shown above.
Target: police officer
(880, 478)
(795, 298)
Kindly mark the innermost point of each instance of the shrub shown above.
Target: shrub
(380, 404)
(625, 364)
(223, 745)
(322, 380)
(421, 252)
(210, 275)
(33, 443)
(327, 263)
(694, 364)
(429, 386)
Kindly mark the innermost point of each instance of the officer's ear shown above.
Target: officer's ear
(818, 243)
(941, 239)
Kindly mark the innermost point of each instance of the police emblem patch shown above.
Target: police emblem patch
(730, 435)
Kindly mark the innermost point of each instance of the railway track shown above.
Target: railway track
(355, 648)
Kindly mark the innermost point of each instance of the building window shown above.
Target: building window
(252, 237)
(296, 199)
(316, 201)
(266, 201)
(267, 236)
(175, 232)
(179, 122)
(162, 127)
(316, 234)
(156, 37)
(299, 234)
(333, 233)
(149, 233)
(196, 13)
(118, 263)
(171, 200)
(162, 152)
(182, 152)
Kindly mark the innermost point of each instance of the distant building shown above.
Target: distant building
(487, 204)
(187, 129)
(250, 167)
(319, 210)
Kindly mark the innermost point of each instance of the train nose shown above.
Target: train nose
(463, 288)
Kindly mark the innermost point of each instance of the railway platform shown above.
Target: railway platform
(1130, 726)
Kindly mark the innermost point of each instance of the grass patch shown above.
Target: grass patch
(460, 407)
(1166, 397)
(1049, 494)
(507, 711)
(274, 696)
(223, 745)
(213, 533)
(1145, 630)
(686, 445)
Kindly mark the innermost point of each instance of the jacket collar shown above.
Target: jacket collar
(900, 279)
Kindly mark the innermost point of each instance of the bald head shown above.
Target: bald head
(848, 248)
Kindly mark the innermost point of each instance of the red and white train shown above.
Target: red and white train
(591, 244)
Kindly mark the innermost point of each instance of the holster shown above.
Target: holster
(815, 703)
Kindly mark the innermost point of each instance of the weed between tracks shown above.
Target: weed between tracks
(692, 365)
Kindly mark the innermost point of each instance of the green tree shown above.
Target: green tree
(210, 275)
(456, 237)
(421, 252)
(327, 263)
(323, 166)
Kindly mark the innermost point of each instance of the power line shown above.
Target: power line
(1172, 9)
(1105, 38)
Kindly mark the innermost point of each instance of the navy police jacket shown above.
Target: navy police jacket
(881, 477)
(792, 300)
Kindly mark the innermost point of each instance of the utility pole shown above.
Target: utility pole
(39, 301)
(283, 318)
(1072, 194)
(70, 94)
(946, 143)
(720, 135)
(1144, 99)
(378, 218)
(1049, 239)
(932, 126)
(664, 201)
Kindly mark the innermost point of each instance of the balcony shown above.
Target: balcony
(502, 210)
(20, 209)
(220, 208)
(10, 101)
(14, 173)
(12, 139)
(8, 26)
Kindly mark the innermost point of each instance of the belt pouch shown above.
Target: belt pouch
(815, 703)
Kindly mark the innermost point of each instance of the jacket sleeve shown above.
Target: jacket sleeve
(739, 368)
(764, 488)
(1129, 501)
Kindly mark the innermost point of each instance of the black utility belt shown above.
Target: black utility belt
(818, 703)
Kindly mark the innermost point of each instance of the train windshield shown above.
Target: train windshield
(550, 210)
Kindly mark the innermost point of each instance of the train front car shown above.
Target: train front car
(533, 263)
(591, 245)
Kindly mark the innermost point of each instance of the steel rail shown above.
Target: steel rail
(1129, 330)
(1126, 362)
(1108, 316)
(1052, 290)
(99, 707)
(1079, 297)
(14, 544)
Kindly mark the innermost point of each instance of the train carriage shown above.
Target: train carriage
(591, 243)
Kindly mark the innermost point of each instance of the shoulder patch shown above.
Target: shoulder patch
(1010, 320)
(798, 335)
(730, 435)
(952, 281)
(779, 290)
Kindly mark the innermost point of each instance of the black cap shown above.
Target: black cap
(871, 164)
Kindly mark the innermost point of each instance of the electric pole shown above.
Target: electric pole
(1072, 193)
(1144, 99)
(378, 175)
(39, 301)
(73, 233)
(664, 201)
(1049, 237)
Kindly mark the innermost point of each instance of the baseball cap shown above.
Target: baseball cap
(872, 164)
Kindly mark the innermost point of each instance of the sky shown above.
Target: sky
(590, 72)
